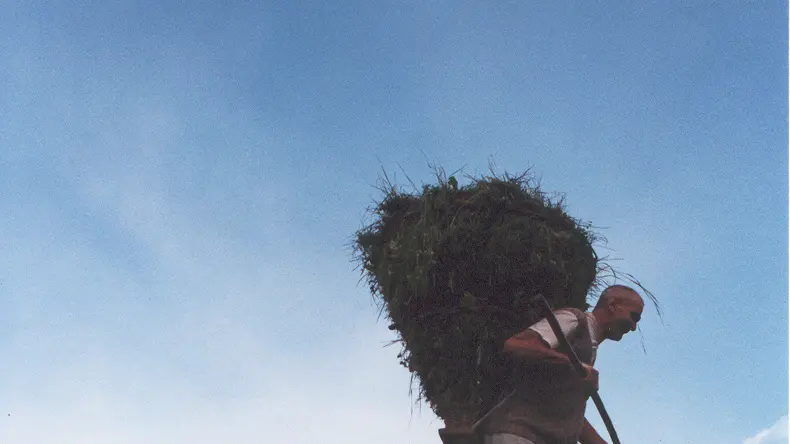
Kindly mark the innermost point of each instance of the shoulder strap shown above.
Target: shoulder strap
(581, 341)
(581, 318)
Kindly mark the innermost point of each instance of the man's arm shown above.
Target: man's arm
(589, 435)
(539, 343)
(529, 347)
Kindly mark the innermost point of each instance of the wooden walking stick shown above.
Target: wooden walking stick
(575, 362)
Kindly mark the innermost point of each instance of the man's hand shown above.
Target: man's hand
(591, 380)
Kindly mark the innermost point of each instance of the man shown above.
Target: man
(550, 408)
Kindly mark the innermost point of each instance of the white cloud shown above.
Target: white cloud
(776, 434)
(351, 393)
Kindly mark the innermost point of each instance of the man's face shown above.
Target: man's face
(625, 313)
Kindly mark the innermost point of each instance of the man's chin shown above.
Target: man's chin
(616, 336)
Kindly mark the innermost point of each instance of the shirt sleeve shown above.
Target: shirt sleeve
(568, 324)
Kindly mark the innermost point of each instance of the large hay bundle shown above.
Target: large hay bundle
(454, 267)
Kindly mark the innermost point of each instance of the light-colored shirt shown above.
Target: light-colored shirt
(568, 324)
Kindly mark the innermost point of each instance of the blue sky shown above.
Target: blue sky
(180, 182)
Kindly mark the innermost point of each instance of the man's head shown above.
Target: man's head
(618, 310)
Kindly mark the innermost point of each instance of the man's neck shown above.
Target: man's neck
(597, 325)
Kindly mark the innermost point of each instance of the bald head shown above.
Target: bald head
(619, 294)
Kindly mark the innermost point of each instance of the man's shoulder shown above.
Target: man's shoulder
(569, 320)
(580, 315)
(576, 312)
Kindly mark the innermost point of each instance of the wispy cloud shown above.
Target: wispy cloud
(352, 392)
(776, 434)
